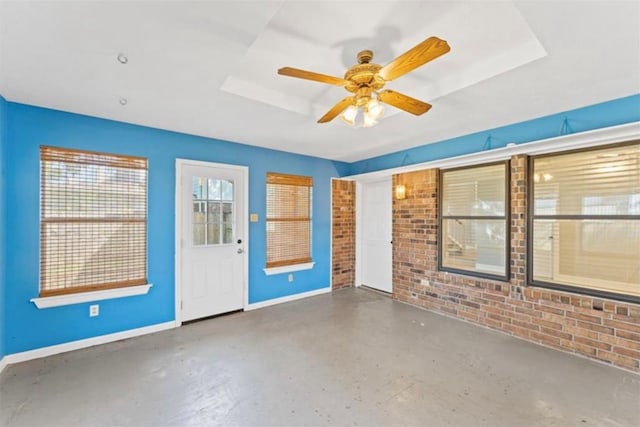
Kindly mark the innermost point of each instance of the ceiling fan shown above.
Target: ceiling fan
(366, 79)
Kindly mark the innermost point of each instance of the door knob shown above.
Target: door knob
(240, 251)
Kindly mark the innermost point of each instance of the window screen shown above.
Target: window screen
(473, 220)
(288, 219)
(93, 221)
(586, 219)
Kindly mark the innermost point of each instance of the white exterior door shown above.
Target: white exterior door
(212, 239)
(376, 248)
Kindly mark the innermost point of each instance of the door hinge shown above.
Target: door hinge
(180, 305)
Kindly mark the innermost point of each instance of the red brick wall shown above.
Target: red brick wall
(343, 233)
(598, 328)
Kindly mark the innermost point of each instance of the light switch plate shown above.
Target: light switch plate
(94, 310)
(253, 217)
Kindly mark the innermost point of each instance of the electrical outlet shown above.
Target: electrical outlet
(94, 310)
(291, 277)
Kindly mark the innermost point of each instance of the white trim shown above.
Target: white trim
(60, 300)
(358, 236)
(3, 363)
(574, 141)
(178, 230)
(288, 298)
(288, 268)
(177, 309)
(84, 343)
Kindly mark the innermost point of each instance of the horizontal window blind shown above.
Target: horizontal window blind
(473, 223)
(586, 219)
(288, 219)
(603, 182)
(93, 221)
(476, 191)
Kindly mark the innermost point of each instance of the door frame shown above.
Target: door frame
(244, 218)
(359, 221)
(358, 275)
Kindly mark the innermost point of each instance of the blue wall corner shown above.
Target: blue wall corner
(611, 113)
(3, 143)
(31, 127)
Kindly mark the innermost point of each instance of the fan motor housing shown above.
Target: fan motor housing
(364, 74)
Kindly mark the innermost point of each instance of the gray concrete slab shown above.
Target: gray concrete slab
(349, 358)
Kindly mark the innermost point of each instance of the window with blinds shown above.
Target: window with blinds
(473, 220)
(93, 221)
(585, 220)
(288, 219)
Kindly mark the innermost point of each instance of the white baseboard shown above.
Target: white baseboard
(3, 363)
(288, 298)
(88, 342)
(104, 339)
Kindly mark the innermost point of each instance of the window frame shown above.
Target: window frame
(507, 220)
(89, 292)
(294, 264)
(530, 224)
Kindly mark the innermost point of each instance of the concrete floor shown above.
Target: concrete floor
(351, 358)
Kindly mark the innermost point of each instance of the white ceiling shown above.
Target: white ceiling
(209, 68)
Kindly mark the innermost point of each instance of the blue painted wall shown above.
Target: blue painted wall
(3, 141)
(31, 127)
(611, 113)
(24, 128)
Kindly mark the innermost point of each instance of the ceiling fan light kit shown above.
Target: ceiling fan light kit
(371, 111)
(366, 80)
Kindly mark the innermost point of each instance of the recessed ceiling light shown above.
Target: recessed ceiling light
(123, 101)
(122, 58)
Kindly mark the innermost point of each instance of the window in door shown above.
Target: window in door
(213, 211)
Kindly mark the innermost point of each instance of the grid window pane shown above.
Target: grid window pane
(93, 215)
(213, 233)
(199, 234)
(213, 189)
(226, 191)
(288, 219)
(213, 220)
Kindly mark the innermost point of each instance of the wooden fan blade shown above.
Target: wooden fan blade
(424, 52)
(337, 109)
(403, 102)
(310, 75)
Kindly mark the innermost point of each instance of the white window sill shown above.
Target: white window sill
(60, 300)
(288, 268)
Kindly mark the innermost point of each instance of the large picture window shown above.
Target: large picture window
(585, 220)
(288, 219)
(93, 221)
(473, 220)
